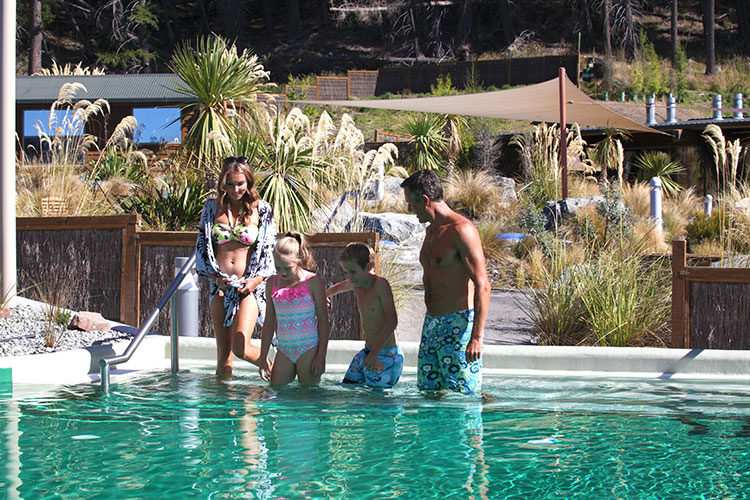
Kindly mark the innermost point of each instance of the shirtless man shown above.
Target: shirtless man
(456, 291)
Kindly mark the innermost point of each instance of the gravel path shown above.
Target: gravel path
(23, 333)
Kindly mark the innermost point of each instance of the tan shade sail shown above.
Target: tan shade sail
(536, 103)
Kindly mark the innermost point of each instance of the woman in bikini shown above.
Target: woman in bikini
(235, 252)
(297, 312)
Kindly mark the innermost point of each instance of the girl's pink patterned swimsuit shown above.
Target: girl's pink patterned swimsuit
(296, 322)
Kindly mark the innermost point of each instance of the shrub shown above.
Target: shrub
(172, 205)
(703, 227)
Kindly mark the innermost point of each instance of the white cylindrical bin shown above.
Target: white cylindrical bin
(708, 205)
(656, 203)
(185, 302)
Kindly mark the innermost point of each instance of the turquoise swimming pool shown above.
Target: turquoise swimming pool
(191, 436)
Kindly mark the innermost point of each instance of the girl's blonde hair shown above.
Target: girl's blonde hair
(294, 244)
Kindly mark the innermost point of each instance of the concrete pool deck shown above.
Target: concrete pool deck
(81, 366)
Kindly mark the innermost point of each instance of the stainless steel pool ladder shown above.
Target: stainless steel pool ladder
(105, 363)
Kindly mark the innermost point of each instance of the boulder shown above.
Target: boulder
(391, 226)
(392, 186)
(573, 205)
(507, 187)
(90, 322)
(743, 204)
(333, 217)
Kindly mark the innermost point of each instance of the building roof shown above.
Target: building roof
(146, 88)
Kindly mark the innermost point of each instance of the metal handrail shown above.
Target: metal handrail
(105, 363)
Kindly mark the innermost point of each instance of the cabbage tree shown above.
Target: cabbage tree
(224, 84)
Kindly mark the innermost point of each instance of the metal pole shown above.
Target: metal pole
(738, 106)
(105, 363)
(708, 205)
(174, 342)
(656, 203)
(7, 149)
(563, 134)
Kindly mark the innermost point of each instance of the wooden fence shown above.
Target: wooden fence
(710, 305)
(108, 265)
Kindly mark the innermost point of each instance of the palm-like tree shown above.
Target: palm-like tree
(426, 133)
(659, 164)
(220, 79)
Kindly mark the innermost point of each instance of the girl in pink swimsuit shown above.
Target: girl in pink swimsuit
(298, 314)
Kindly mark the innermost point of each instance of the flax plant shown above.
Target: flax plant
(658, 164)
(627, 300)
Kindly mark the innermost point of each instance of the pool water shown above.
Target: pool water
(191, 436)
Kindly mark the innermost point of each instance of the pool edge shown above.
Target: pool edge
(81, 366)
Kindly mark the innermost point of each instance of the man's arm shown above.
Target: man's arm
(469, 247)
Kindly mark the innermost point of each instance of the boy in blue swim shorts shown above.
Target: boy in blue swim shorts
(381, 362)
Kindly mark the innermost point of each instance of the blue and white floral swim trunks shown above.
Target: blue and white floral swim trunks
(442, 354)
(392, 359)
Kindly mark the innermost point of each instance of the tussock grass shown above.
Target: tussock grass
(638, 197)
(474, 193)
(37, 181)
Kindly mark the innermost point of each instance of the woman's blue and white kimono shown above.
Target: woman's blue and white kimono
(261, 261)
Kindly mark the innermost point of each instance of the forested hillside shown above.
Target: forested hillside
(326, 36)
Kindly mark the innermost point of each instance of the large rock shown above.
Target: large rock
(573, 205)
(333, 217)
(507, 187)
(392, 186)
(391, 226)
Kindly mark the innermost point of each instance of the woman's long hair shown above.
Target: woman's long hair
(238, 164)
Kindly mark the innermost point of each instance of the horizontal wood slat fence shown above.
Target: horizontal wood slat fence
(108, 265)
(710, 305)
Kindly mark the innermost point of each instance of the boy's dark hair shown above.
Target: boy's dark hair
(424, 182)
(360, 253)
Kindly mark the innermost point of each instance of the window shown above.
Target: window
(157, 125)
(48, 121)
